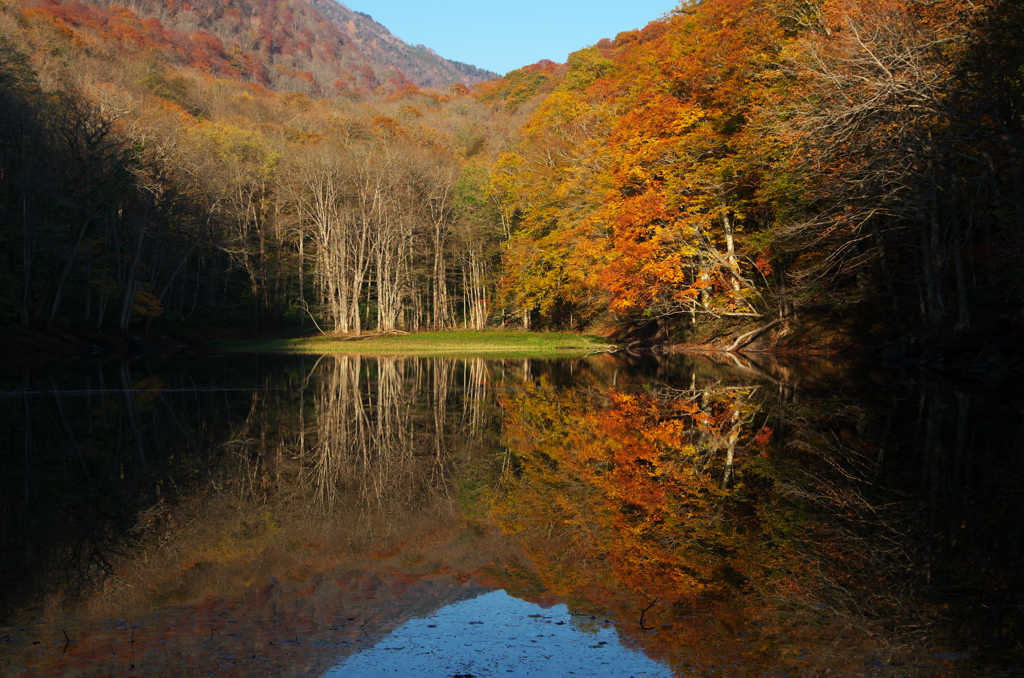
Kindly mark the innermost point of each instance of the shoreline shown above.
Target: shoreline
(976, 352)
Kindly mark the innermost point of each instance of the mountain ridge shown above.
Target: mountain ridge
(421, 64)
(316, 47)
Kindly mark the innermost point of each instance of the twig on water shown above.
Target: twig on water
(644, 612)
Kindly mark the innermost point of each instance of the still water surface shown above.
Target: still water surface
(610, 516)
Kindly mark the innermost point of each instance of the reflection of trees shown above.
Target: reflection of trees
(918, 487)
(96, 459)
(276, 468)
(710, 501)
(812, 517)
(638, 481)
(90, 457)
(386, 426)
(632, 500)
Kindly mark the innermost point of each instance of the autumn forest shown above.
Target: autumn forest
(766, 178)
(737, 163)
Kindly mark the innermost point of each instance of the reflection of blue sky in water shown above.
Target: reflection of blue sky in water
(497, 635)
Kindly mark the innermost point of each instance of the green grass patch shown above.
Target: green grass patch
(494, 343)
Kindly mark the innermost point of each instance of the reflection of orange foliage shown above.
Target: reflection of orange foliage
(288, 601)
(625, 484)
(618, 499)
(656, 510)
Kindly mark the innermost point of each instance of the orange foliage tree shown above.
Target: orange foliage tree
(640, 172)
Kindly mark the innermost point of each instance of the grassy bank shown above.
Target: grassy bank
(454, 343)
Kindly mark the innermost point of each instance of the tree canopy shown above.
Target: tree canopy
(737, 161)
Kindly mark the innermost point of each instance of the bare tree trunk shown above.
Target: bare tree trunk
(442, 310)
(959, 242)
(932, 243)
(26, 258)
(302, 280)
(886, 275)
(131, 281)
(72, 255)
(730, 252)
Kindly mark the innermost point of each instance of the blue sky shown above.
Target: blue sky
(503, 35)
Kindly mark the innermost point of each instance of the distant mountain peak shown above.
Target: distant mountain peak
(419, 63)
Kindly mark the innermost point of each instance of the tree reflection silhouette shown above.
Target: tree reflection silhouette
(722, 518)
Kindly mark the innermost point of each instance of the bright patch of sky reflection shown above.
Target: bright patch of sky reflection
(498, 635)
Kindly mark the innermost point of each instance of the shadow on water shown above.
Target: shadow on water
(275, 514)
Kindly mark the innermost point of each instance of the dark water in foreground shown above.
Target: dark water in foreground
(611, 516)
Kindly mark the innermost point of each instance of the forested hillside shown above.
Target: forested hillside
(753, 159)
(149, 174)
(739, 163)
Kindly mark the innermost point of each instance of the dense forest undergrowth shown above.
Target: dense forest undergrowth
(759, 174)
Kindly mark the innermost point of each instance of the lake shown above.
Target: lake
(209, 514)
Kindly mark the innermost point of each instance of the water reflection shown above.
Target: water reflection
(497, 635)
(386, 428)
(269, 514)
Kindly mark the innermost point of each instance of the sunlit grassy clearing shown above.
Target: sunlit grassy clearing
(457, 342)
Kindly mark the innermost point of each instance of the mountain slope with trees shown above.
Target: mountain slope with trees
(737, 164)
(318, 47)
(419, 63)
(190, 187)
